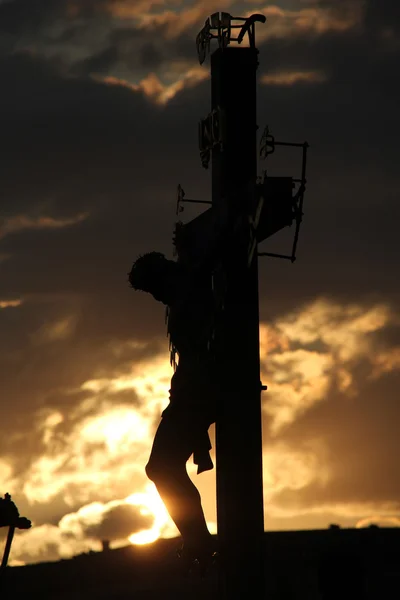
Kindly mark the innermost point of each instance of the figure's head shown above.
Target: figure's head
(149, 273)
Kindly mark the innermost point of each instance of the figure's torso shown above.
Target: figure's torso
(190, 324)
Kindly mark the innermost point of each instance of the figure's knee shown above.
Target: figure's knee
(164, 468)
(153, 470)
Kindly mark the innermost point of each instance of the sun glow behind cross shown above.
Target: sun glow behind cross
(151, 504)
(116, 428)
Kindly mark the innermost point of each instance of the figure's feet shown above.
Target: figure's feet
(198, 557)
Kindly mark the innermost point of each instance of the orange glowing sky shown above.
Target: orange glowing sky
(99, 110)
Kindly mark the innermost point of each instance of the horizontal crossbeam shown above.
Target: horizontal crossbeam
(292, 258)
(197, 201)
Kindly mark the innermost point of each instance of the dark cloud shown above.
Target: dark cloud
(98, 63)
(119, 522)
(20, 17)
(382, 13)
(361, 440)
(150, 56)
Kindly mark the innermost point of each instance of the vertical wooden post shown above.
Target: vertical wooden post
(238, 428)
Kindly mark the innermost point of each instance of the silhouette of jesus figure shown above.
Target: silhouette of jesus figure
(184, 425)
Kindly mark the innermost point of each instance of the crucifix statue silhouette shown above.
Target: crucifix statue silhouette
(211, 295)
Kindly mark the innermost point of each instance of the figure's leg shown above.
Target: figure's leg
(172, 447)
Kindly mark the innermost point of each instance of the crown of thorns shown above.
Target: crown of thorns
(144, 268)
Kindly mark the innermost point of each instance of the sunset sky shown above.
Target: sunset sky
(99, 106)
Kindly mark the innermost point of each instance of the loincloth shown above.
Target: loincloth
(198, 418)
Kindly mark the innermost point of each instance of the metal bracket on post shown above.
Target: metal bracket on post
(267, 146)
(212, 133)
(222, 22)
(267, 143)
(180, 199)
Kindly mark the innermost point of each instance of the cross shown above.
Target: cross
(243, 212)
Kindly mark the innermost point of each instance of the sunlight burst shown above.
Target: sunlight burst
(117, 427)
(152, 504)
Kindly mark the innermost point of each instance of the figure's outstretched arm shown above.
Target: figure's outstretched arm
(213, 240)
